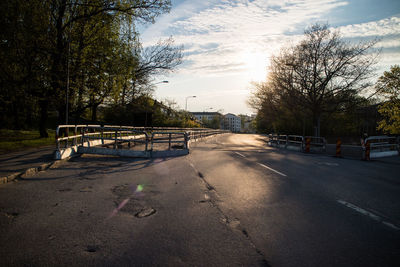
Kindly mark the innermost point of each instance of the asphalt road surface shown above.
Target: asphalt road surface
(233, 201)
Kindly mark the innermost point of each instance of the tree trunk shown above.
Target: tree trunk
(317, 124)
(43, 105)
(94, 113)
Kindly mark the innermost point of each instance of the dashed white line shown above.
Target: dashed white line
(240, 154)
(265, 166)
(367, 213)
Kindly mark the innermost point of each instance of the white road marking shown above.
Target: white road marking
(265, 166)
(369, 214)
(243, 156)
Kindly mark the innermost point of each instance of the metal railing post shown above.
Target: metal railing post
(169, 142)
(75, 135)
(115, 138)
(186, 140)
(57, 141)
(146, 141)
(66, 135)
(83, 136)
(151, 140)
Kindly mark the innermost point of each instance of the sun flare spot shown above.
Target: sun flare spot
(255, 65)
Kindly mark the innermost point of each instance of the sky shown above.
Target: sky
(228, 43)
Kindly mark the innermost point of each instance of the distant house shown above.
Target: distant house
(232, 123)
(200, 116)
(209, 119)
(216, 120)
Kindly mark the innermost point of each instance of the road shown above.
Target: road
(233, 201)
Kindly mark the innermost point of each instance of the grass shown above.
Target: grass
(12, 140)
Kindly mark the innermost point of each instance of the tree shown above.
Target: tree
(91, 45)
(388, 86)
(318, 75)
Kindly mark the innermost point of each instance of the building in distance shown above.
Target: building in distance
(216, 120)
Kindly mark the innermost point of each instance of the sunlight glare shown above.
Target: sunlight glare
(255, 65)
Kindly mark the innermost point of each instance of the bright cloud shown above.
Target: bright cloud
(239, 36)
(235, 39)
(384, 27)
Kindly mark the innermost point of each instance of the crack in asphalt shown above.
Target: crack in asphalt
(233, 224)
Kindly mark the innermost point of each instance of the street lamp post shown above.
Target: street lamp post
(191, 96)
(161, 82)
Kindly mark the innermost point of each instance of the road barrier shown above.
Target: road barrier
(127, 141)
(338, 148)
(298, 142)
(372, 147)
(380, 146)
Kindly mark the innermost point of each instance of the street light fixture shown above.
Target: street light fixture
(191, 96)
(161, 82)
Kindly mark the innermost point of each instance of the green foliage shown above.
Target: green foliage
(145, 111)
(85, 51)
(215, 123)
(389, 87)
(11, 140)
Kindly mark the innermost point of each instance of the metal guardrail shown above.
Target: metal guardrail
(380, 146)
(86, 137)
(318, 143)
(372, 147)
(194, 135)
(298, 142)
(170, 138)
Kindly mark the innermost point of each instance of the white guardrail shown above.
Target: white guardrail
(372, 147)
(124, 140)
(380, 146)
(298, 142)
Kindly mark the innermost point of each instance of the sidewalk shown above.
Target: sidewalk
(15, 164)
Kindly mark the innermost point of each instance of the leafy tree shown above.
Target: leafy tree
(86, 51)
(214, 123)
(388, 86)
(316, 76)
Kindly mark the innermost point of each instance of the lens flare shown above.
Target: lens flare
(139, 188)
(120, 206)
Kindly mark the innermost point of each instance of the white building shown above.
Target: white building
(232, 123)
(209, 116)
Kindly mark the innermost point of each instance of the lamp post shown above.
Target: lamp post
(191, 96)
(161, 82)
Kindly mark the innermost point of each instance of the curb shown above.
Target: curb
(31, 171)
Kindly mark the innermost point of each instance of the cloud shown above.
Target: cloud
(385, 27)
(231, 37)
(219, 36)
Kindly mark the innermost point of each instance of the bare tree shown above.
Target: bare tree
(160, 58)
(321, 73)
